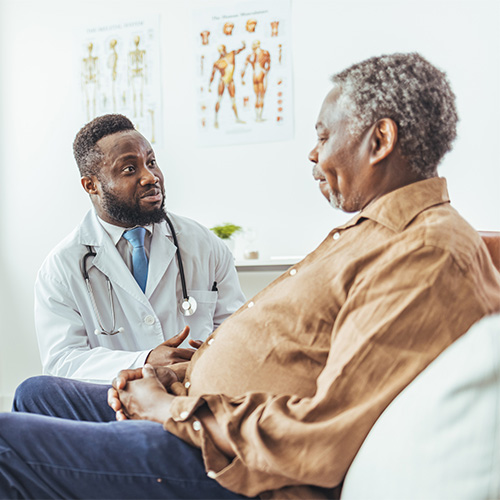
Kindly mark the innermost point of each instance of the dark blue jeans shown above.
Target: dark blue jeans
(62, 441)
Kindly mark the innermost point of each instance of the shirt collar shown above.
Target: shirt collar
(398, 208)
(116, 232)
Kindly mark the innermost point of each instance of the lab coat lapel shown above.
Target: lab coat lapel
(161, 254)
(108, 260)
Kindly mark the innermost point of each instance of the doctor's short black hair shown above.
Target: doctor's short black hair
(87, 153)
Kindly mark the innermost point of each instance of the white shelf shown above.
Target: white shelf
(260, 265)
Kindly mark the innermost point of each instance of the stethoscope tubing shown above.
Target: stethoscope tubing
(179, 259)
(90, 291)
(187, 307)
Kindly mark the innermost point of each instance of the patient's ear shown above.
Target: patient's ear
(89, 184)
(383, 140)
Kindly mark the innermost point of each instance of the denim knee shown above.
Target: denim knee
(30, 391)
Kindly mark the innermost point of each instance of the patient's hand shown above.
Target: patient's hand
(163, 374)
(140, 395)
(118, 383)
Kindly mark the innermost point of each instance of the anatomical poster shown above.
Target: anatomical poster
(244, 75)
(120, 73)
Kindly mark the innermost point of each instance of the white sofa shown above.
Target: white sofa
(440, 438)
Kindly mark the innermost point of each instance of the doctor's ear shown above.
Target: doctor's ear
(383, 140)
(89, 184)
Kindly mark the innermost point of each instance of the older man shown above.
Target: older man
(312, 360)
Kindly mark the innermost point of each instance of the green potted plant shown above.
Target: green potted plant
(225, 232)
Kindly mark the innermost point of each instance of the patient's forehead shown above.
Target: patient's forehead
(332, 112)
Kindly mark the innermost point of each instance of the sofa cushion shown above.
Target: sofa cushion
(440, 438)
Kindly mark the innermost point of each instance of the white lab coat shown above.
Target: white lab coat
(65, 320)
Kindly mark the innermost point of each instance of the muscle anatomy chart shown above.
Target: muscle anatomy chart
(244, 74)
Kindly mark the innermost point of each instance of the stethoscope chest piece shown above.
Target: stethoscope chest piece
(188, 306)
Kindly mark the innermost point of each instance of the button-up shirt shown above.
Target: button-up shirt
(298, 375)
(124, 247)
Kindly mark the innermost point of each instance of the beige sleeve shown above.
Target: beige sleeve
(385, 334)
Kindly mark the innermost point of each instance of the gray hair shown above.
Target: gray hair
(410, 91)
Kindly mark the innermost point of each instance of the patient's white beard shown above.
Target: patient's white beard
(336, 199)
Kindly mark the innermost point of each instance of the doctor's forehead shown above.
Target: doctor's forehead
(126, 142)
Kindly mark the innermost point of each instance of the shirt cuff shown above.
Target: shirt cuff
(184, 424)
(233, 474)
(181, 421)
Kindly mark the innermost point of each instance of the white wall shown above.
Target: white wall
(265, 186)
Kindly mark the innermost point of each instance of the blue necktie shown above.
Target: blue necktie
(139, 259)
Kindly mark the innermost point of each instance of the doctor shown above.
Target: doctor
(123, 313)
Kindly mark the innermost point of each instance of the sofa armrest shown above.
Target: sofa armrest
(440, 438)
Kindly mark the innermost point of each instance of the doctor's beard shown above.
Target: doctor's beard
(130, 213)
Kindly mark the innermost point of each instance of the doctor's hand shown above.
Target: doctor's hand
(143, 396)
(169, 352)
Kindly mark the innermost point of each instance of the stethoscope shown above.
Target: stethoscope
(187, 305)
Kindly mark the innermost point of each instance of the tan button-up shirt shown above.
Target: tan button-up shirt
(298, 375)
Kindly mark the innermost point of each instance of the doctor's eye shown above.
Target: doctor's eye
(152, 163)
(129, 169)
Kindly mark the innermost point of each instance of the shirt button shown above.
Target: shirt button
(149, 320)
(184, 415)
(211, 341)
(293, 272)
(197, 425)
(336, 236)
(211, 474)
(251, 304)
(187, 385)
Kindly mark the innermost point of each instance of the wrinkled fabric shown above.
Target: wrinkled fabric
(299, 374)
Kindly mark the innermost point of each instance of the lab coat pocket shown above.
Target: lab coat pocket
(201, 322)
